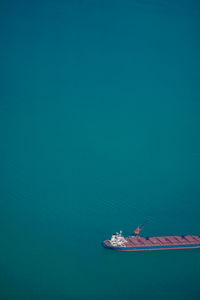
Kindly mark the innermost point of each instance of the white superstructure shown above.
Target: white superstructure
(118, 240)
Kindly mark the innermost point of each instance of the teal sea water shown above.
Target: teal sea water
(100, 121)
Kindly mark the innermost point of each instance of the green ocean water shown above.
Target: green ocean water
(100, 120)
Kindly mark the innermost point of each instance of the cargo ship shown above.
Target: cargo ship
(135, 242)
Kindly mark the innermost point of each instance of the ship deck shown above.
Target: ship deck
(156, 243)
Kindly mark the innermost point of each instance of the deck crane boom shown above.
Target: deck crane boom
(139, 228)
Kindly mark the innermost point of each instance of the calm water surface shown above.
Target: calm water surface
(100, 119)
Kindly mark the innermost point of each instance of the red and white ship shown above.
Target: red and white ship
(136, 242)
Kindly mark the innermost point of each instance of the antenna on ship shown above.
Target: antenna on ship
(138, 229)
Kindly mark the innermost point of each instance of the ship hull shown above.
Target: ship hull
(160, 243)
(152, 248)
